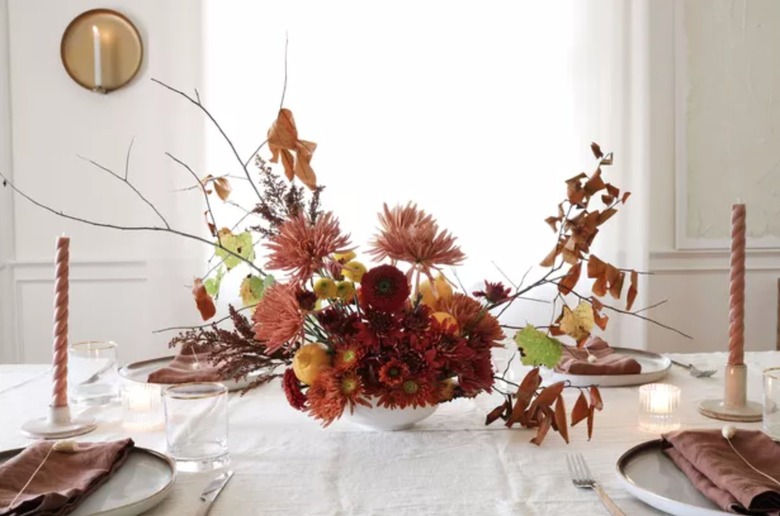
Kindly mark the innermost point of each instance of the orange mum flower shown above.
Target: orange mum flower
(278, 317)
(412, 392)
(408, 234)
(330, 393)
(301, 247)
(475, 323)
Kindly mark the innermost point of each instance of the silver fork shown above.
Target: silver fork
(695, 371)
(581, 477)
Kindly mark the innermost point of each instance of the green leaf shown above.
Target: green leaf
(212, 284)
(253, 288)
(240, 244)
(538, 348)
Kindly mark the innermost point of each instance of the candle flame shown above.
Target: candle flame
(95, 30)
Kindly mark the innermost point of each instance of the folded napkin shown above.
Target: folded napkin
(575, 360)
(64, 480)
(191, 364)
(722, 476)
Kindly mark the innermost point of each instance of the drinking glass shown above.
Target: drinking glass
(659, 405)
(196, 425)
(92, 373)
(771, 402)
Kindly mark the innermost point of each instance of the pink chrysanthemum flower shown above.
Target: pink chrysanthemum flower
(408, 234)
(278, 317)
(301, 247)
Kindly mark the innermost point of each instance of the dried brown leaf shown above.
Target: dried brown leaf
(616, 288)
(632, 290)
(545, 421)
(596, 267)
(549, 260)
(580, 410)
(607, 199)
(595, 183)
(590, 423)
(595, 398)
(613, 190)
(203, 300)
(596, 149)
(600, 286)
(525, 392)
(567, 284)
(560, 419)
(553, 222)
(223, 188)
(625, 197)
(496, 413)
(606, 215)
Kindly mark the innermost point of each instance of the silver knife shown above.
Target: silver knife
(212, 491)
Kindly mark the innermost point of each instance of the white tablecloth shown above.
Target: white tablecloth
(448, 464)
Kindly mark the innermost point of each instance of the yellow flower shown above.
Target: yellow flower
(344, 257)
(353, 271)
(345, 290)
(443, 291)
(308, 361)
(446, 320)
(325, 288)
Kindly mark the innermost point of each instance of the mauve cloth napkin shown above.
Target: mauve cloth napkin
(722, 476)
(191, 364)
(575, 360)
(64, 480)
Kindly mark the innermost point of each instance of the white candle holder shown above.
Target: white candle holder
(734, 406)
(659, 405)
(59, 424)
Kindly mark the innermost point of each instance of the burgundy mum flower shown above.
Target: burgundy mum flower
(385, 288)
(494, 293)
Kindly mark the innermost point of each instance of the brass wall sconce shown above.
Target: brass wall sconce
(101, 50)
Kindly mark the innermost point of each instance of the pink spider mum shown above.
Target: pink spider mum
(278, 317)
(408, 234)
(301, 247)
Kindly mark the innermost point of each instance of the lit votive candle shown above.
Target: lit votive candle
(659, 405)
(142, 406)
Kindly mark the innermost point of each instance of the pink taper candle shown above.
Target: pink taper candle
(737, 286)
(62, 269)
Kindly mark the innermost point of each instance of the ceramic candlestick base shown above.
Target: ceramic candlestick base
(58, 425)
(734, 405)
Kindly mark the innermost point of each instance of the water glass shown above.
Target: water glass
(659, 405)
(772, 402)
(92, 373)
(196, 425)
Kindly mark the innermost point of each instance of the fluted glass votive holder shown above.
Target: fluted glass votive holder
(659, 407)
(142, 406)
(771, 419)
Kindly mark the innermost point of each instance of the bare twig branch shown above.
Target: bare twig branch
(127, 158)
(128, 183)
(160, 229)
(219, 128)
(504, 275)
(645, 309)
(205, 194)
(281, 103)
(634, 314)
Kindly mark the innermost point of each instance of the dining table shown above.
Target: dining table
(448, 464)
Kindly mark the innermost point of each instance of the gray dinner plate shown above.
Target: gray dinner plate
(142, 482)
(654, 368)
(649, 474)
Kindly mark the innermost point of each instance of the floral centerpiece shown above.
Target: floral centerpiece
(396, 335)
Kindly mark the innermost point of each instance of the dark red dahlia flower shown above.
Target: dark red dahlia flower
(385, 288)
(393, 373)
(292, 389)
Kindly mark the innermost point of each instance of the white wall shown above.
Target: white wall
(122, 285)
(696, 282)
(465, 110)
